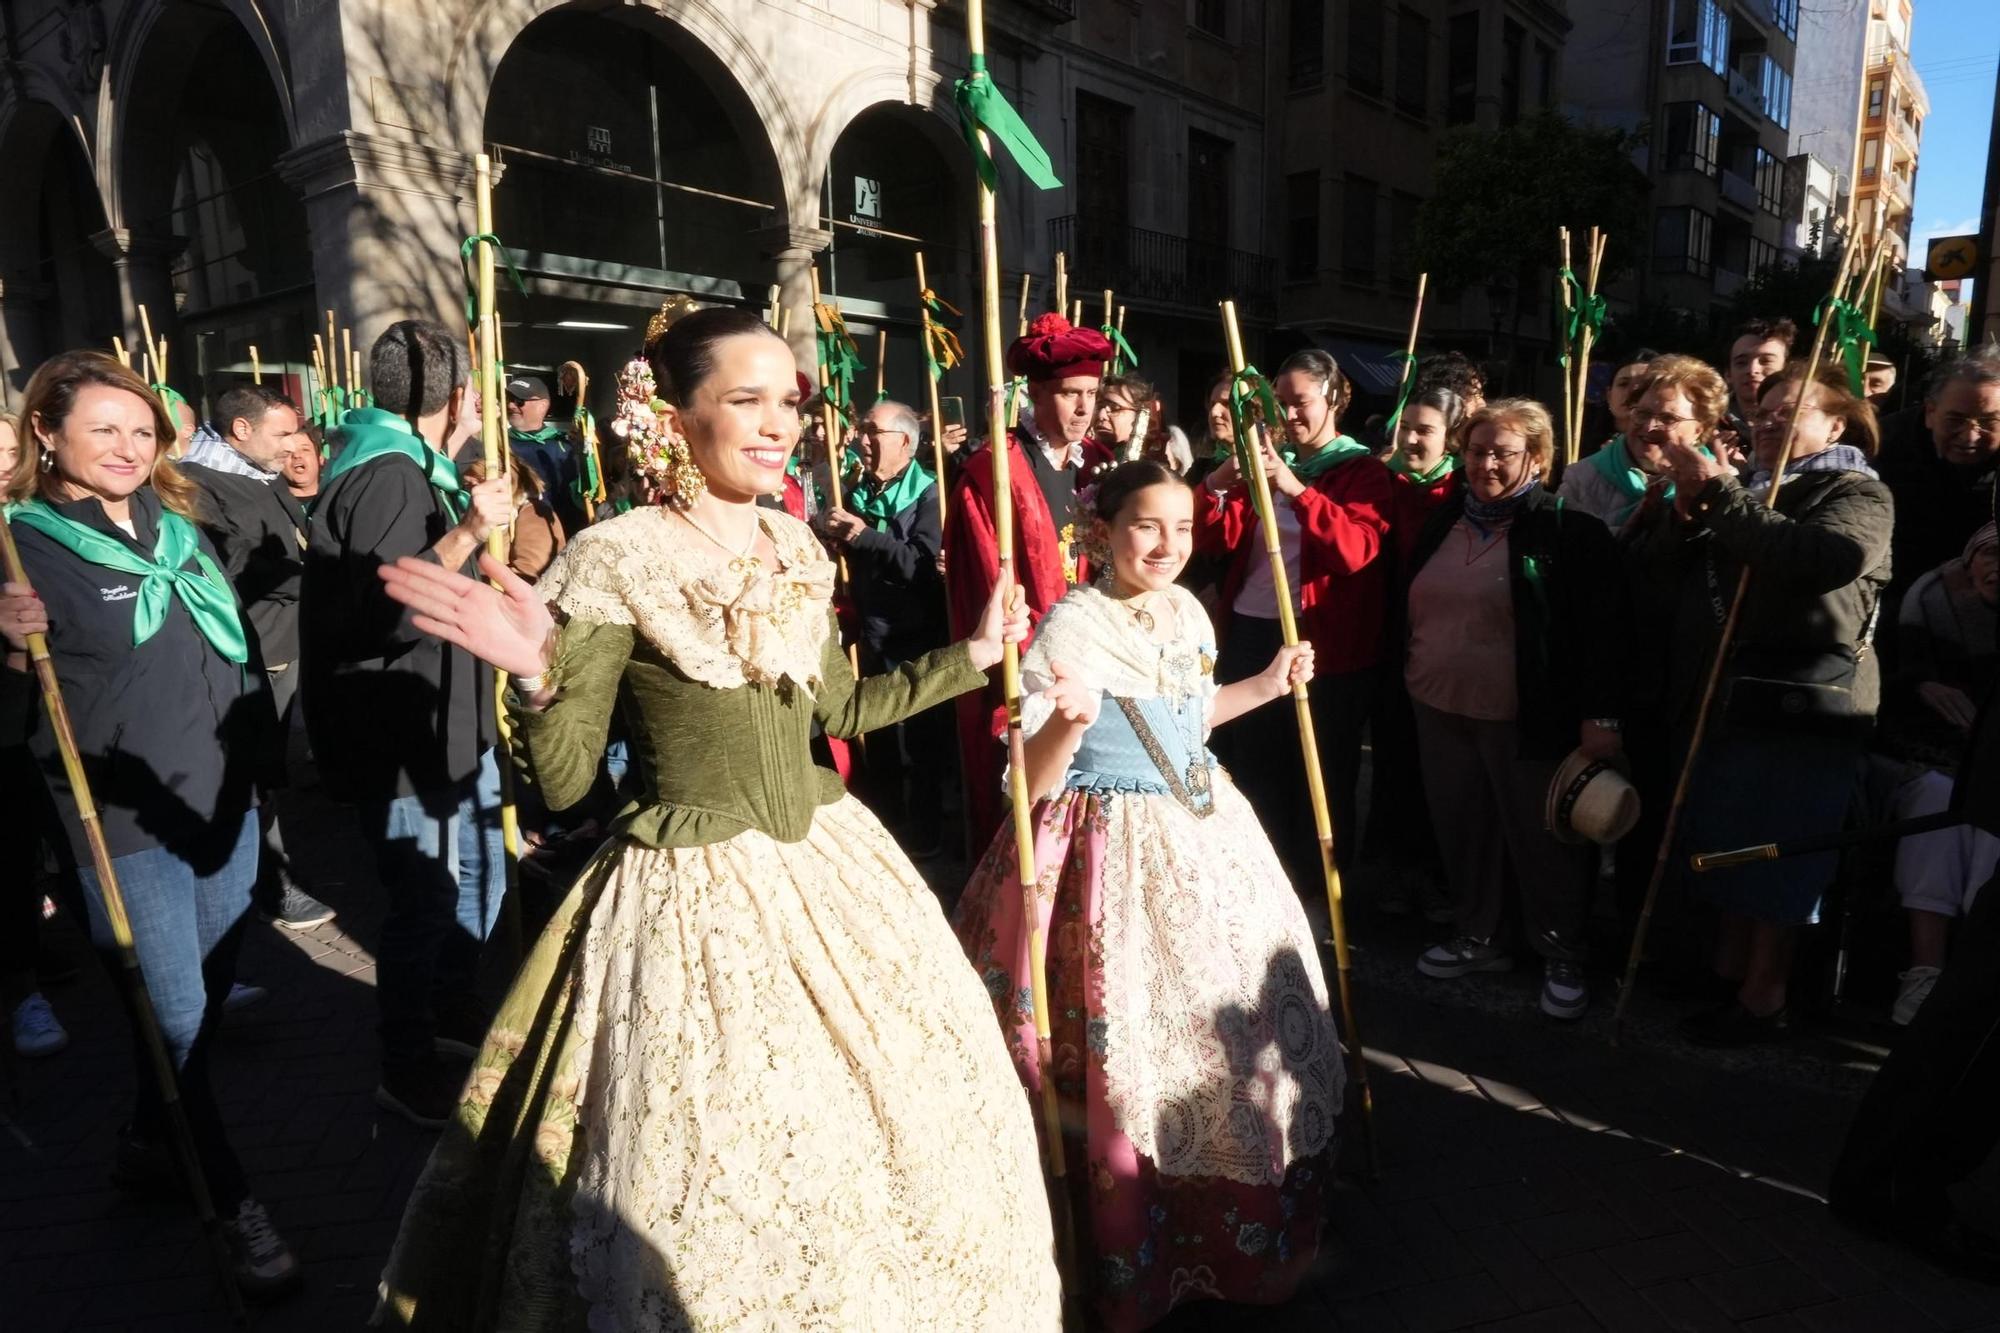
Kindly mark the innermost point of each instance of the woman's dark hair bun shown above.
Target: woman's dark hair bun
(684, 355)
(1126, 480)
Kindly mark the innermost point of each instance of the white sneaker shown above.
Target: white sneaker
(1916, 988)
(36, 1031)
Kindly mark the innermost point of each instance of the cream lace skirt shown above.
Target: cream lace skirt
(749, 1085)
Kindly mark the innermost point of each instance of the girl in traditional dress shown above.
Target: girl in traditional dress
(744, 1079)
(1194, 1053)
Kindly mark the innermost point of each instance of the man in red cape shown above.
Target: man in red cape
(1049, 453)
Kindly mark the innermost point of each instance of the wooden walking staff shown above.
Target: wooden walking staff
(487, 368)
(1563, 277)
(1574, 445)
(1260, 494)
(824, 321)
(1014, 406)
(1003, 541)
(120, 922)
(935, 368)
(881, 364)
(256, 366)
(1709, 689)
(1409, 359)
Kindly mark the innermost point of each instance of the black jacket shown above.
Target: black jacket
(259, 532)
(1571, 617)
(897, 586)
(171, 732)
(391, 711)
(1938, 506)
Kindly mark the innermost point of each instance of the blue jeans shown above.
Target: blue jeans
(441, 860)
(186, 928)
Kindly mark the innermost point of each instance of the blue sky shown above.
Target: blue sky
(1955, 45)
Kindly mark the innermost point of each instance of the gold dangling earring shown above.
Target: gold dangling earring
(685, 484)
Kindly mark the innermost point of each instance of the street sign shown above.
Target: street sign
(1951, 257)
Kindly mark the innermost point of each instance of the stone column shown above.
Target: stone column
(386, 218)
(792, 248)
(139, 265)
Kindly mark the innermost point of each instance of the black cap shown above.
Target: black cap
(526, 388)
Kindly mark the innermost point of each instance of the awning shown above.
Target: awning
(1374, 367)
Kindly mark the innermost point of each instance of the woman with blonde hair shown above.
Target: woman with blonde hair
(1798, 695)
(1677, 400)
(1515, 612)
(149, 644)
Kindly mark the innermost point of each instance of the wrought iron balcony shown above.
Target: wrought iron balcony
(1154, 266)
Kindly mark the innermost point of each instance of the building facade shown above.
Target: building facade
(237, 169)
(1894, 108)
(1713, 80)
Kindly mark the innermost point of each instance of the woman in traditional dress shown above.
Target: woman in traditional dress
(744, 1079)
(1195, 1058)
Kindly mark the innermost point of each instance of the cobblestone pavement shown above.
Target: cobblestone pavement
(1532, 1176)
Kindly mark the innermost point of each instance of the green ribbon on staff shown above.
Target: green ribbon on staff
(329, 404)
(982, 106)
(589, 485)
(1852, 337)
(361, 398)
(466, 249)
(840, 357)
(942, 349)
(1406, 386)
(1584, 312)
(171, 398)
(1122, 354)
(1250, 392)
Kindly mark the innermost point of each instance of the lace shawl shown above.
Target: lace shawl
(1095, 636)
(720, 620)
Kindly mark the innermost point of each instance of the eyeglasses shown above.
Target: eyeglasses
(870, 428)
(1493, 455)
(1118, 409)
(1780, 416)
(1643, 420)
(1989, 424)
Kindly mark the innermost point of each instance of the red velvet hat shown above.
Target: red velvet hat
(1054, 349)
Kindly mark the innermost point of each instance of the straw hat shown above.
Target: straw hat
(1590, 801)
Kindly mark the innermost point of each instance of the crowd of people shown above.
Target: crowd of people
(753, 1066)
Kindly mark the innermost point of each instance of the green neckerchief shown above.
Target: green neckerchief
(206, 595)
(370, 433)
(879, 505)
(1336, 451)
(1437, 472)
(543, 436)
(1614, 463)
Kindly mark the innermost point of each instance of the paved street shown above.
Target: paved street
(1532, 1177)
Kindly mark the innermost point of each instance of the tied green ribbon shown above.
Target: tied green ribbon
(879, 504)
(371, 433)
(1122, 355)
(841, 360)
(982, 106)
(203, 590)
(540, 435)
(330, 402)
(171, 398)
(1322, 460)
(589, 485)
(1584, 312)
(1250, 398)
(1405, 386)
(466, 250)
(362, 398)
(1430, 476)
(1851, 337)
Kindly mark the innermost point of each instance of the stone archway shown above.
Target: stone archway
(59, 287)
(635, 165)
(213, 241)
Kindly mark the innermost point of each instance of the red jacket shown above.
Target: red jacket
(1343, 591)
(1414, 505)
(972, 566)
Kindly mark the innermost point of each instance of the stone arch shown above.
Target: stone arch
(59, 287)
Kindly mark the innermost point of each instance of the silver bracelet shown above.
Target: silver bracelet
(527, 685)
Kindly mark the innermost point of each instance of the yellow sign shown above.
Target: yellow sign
(1951, 257)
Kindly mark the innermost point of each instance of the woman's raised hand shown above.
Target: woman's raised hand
(1074, 699)
(507, 626)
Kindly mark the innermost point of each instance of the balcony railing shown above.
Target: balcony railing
(1744, 91)
(1738, 191)
(1154, 266)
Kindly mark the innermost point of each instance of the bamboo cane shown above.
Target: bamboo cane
(1574, 445)
(1000, 449)
(829, 416)
(134, 978)
(332, 348)
(118, 349)
(1027, 279)
(1409, 356)
(256, 366)
(146, 329)
(487, 368)
(1061, 282)
(881, 364)
(1111, 362)
(1713, 683)
(773, 303)
(937, 418)
(1076, 313)
(580, 423)
(146, 367)
(1260, 492)
(1569, 309)
(160, 360)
